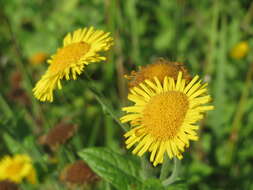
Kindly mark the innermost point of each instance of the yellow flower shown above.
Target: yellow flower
(240, 50)
(17, 168)
(79, 49)
(164, 116)
(160, 68)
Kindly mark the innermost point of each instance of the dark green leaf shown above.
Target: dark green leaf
(121, 171)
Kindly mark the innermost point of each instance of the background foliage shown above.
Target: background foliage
(198, 33)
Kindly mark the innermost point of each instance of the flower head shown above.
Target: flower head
(8, 185)
(16, 79)
(160, 69)
(58, 135)
(78, 173)
(17, 93)
(240, 50)
(79, 49)
(164, 116)
(17, 168)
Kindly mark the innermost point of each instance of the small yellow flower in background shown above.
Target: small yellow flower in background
(240, 50)
(164, 115)
(38, 58)
(17, 168)
(160, 69)
(79, 49)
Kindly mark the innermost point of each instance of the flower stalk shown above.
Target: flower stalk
(174, 174)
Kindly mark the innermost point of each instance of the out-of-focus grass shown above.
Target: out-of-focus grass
(199, 33)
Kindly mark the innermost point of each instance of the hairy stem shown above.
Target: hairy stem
(174, 174)
(165, 168)
(236, 125)
(101, 100)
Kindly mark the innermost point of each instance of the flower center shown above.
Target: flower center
(13, 169)
(164, 114)
(68, 55)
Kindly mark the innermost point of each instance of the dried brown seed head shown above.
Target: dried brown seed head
(78, 173)
(19, 95)
(160, 68)
(58, 135)
(8, 185)
(15, 79)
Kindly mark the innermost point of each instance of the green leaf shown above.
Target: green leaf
(199, 170)
(121, 171)
(178, 185)
(13, 145)
(151, 184)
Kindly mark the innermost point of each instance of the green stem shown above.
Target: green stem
(36, 110)
(106, 107)
(174, 174)
(5, 107)
(245, 24)
(165, 168)
(240, 111)
(243, 101)
(94, 133)
(107, 186)
(146, 169)
(101, 100)
(213, 38)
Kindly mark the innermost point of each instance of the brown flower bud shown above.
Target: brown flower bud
(8, 185)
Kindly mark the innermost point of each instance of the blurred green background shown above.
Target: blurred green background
(199, 33)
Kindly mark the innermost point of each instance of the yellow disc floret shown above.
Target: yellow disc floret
(164, 114)
(67, 56)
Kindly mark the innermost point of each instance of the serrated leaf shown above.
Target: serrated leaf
(119, 170)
